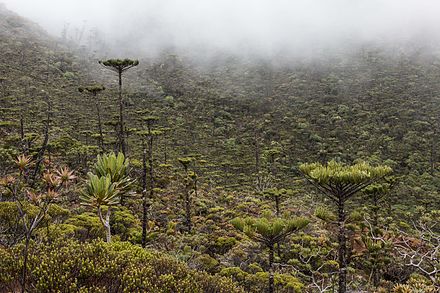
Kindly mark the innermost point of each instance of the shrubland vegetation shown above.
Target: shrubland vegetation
(234, 176)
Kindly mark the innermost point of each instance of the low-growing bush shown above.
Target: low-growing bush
(72, 266)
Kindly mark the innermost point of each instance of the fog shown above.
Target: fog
(253, 27)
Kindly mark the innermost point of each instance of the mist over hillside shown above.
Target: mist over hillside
(284, 29)
(219, 146)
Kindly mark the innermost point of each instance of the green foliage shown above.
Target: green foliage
(255, 282)
(10, 222)
(325, 214)
(185, 162)
(87, 226)
(7, 156)
(249, 123)
(119, 64)
(275, 192)
(92, 89)
(223, 244)
(338, 173)
(126, 225)
(269, 230)
(207, 263)
(117, 168)
(70, 266)
(377, 189)
(100, 191)
(69, 75)
(416, 284)
(53, 232)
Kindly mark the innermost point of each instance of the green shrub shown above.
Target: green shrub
(87, 226)
(257, 282)
(71, 266)
(126, 225)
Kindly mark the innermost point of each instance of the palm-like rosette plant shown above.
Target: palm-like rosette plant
(65, 175)
(115, 166)
(100, 191)
(22, 162)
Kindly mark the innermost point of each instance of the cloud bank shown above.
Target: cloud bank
(259, 27)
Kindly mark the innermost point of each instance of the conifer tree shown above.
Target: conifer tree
(120, 66)
(340, 182)
(277, 195)
(269, 231)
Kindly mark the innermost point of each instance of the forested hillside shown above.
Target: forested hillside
(238, 175)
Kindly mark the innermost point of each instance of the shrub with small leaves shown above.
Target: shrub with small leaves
(71, 266)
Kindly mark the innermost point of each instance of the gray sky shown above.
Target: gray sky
(260, 26)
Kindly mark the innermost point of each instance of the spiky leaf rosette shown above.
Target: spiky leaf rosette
(115, 166)
(100, 191)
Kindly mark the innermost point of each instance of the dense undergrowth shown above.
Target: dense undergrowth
(70, 266)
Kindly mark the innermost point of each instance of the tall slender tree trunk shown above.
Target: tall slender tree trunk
(121, 116)
(432, 155)
(277, 209)
(188, 202)
(121, 123)
(277, 206)
(2, 84)
(257, 154)
(151, 174)
(40, 154)
(144, 196)
(150, 165)
(375, 270)
(25, 260)
(188, 210)
(271, 278)
(23, 143)
(98, 112)
(195, 188)
(342, 250)
(376, 278)
(165, 154)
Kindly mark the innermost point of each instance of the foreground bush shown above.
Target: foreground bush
(71, 266)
